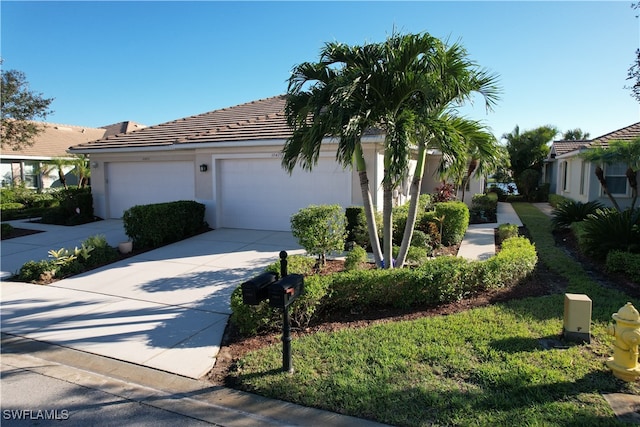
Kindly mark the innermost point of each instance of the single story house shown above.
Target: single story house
(569, 175)
(229, 160)
(26, 164)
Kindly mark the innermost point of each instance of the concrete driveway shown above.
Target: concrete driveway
(165, 309)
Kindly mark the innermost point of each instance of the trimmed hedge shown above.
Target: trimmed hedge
(438, 281)
(456, 221)
(624, 262)
(150, 226)
(75, 207)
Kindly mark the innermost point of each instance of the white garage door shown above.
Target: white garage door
(258, 194)
(131, 184)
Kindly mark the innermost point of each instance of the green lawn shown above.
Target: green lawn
(485, 366)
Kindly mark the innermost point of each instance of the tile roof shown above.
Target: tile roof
(259, 120)
(256, 120)
(624, 134)
(122, 127)
(54, 141)
(627, 133)
(563, 147)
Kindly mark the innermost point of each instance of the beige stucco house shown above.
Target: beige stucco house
(229, 160)
(571, 176)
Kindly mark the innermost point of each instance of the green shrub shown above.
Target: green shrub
(420, 239)
(484, 208)
(11, 205)
(251, 319)
(499, 192)
(437, 281)
(6, 229)
(34, 271)
(507, 230)
(556, 199)
(624, 262)
(569, 211)
(455, 223)
(150, 226)
(102, 253)
(356, 226)
(75, 206)
(319, 229)
(296, 264)
(355, 258)
(607, 230)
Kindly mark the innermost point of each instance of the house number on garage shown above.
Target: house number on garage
(276, 155)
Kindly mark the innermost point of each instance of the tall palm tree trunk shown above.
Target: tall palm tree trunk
(387, 220)
(605, 188)
(632, 177)
(414, 194)
(367, 201)
(387, 223)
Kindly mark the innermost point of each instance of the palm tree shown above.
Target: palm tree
(575, 135)
(59, 164)
(618, 151)
(400, 86)
(325, 101)
(81, 170)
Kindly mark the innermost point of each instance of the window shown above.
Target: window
(616, 179)
(583, 171)
(564, 171)
(30, 171)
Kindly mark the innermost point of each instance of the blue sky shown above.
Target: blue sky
(560, 63)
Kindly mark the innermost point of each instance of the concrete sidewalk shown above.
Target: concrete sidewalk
(165, 309)
(479, 240)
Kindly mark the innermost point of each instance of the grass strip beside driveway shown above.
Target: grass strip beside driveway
(485, 366)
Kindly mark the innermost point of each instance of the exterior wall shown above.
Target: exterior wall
(577, 178)
(582, 171)
(14, 172)
(99, 166)
(205, 182)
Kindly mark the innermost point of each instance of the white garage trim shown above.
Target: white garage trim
(253, 191)
(141, 183)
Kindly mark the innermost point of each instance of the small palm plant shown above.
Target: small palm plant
(568, 212)
(607, 230)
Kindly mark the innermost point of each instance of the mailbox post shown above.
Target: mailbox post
(280, 293)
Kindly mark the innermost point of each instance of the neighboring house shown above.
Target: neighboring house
(571, 176)
(229, 160)
(26, 165)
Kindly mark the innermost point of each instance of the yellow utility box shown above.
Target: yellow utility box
(577, 318)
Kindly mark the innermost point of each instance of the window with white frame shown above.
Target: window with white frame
(564, 173)
(30, 171)
(583, 176)
(616, 179)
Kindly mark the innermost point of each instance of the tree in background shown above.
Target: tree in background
(528, 150)
(575, 135)
(634, 71)
(18, 107)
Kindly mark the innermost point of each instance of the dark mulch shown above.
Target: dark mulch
(19, 232)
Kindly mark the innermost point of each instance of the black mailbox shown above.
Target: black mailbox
(286, 290)
(256, 290)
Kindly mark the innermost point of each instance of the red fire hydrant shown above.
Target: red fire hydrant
(624, 362)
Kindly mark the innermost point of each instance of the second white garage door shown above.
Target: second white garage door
(258, 194)
(131, 184)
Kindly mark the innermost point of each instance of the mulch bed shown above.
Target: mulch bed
(19, 232)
